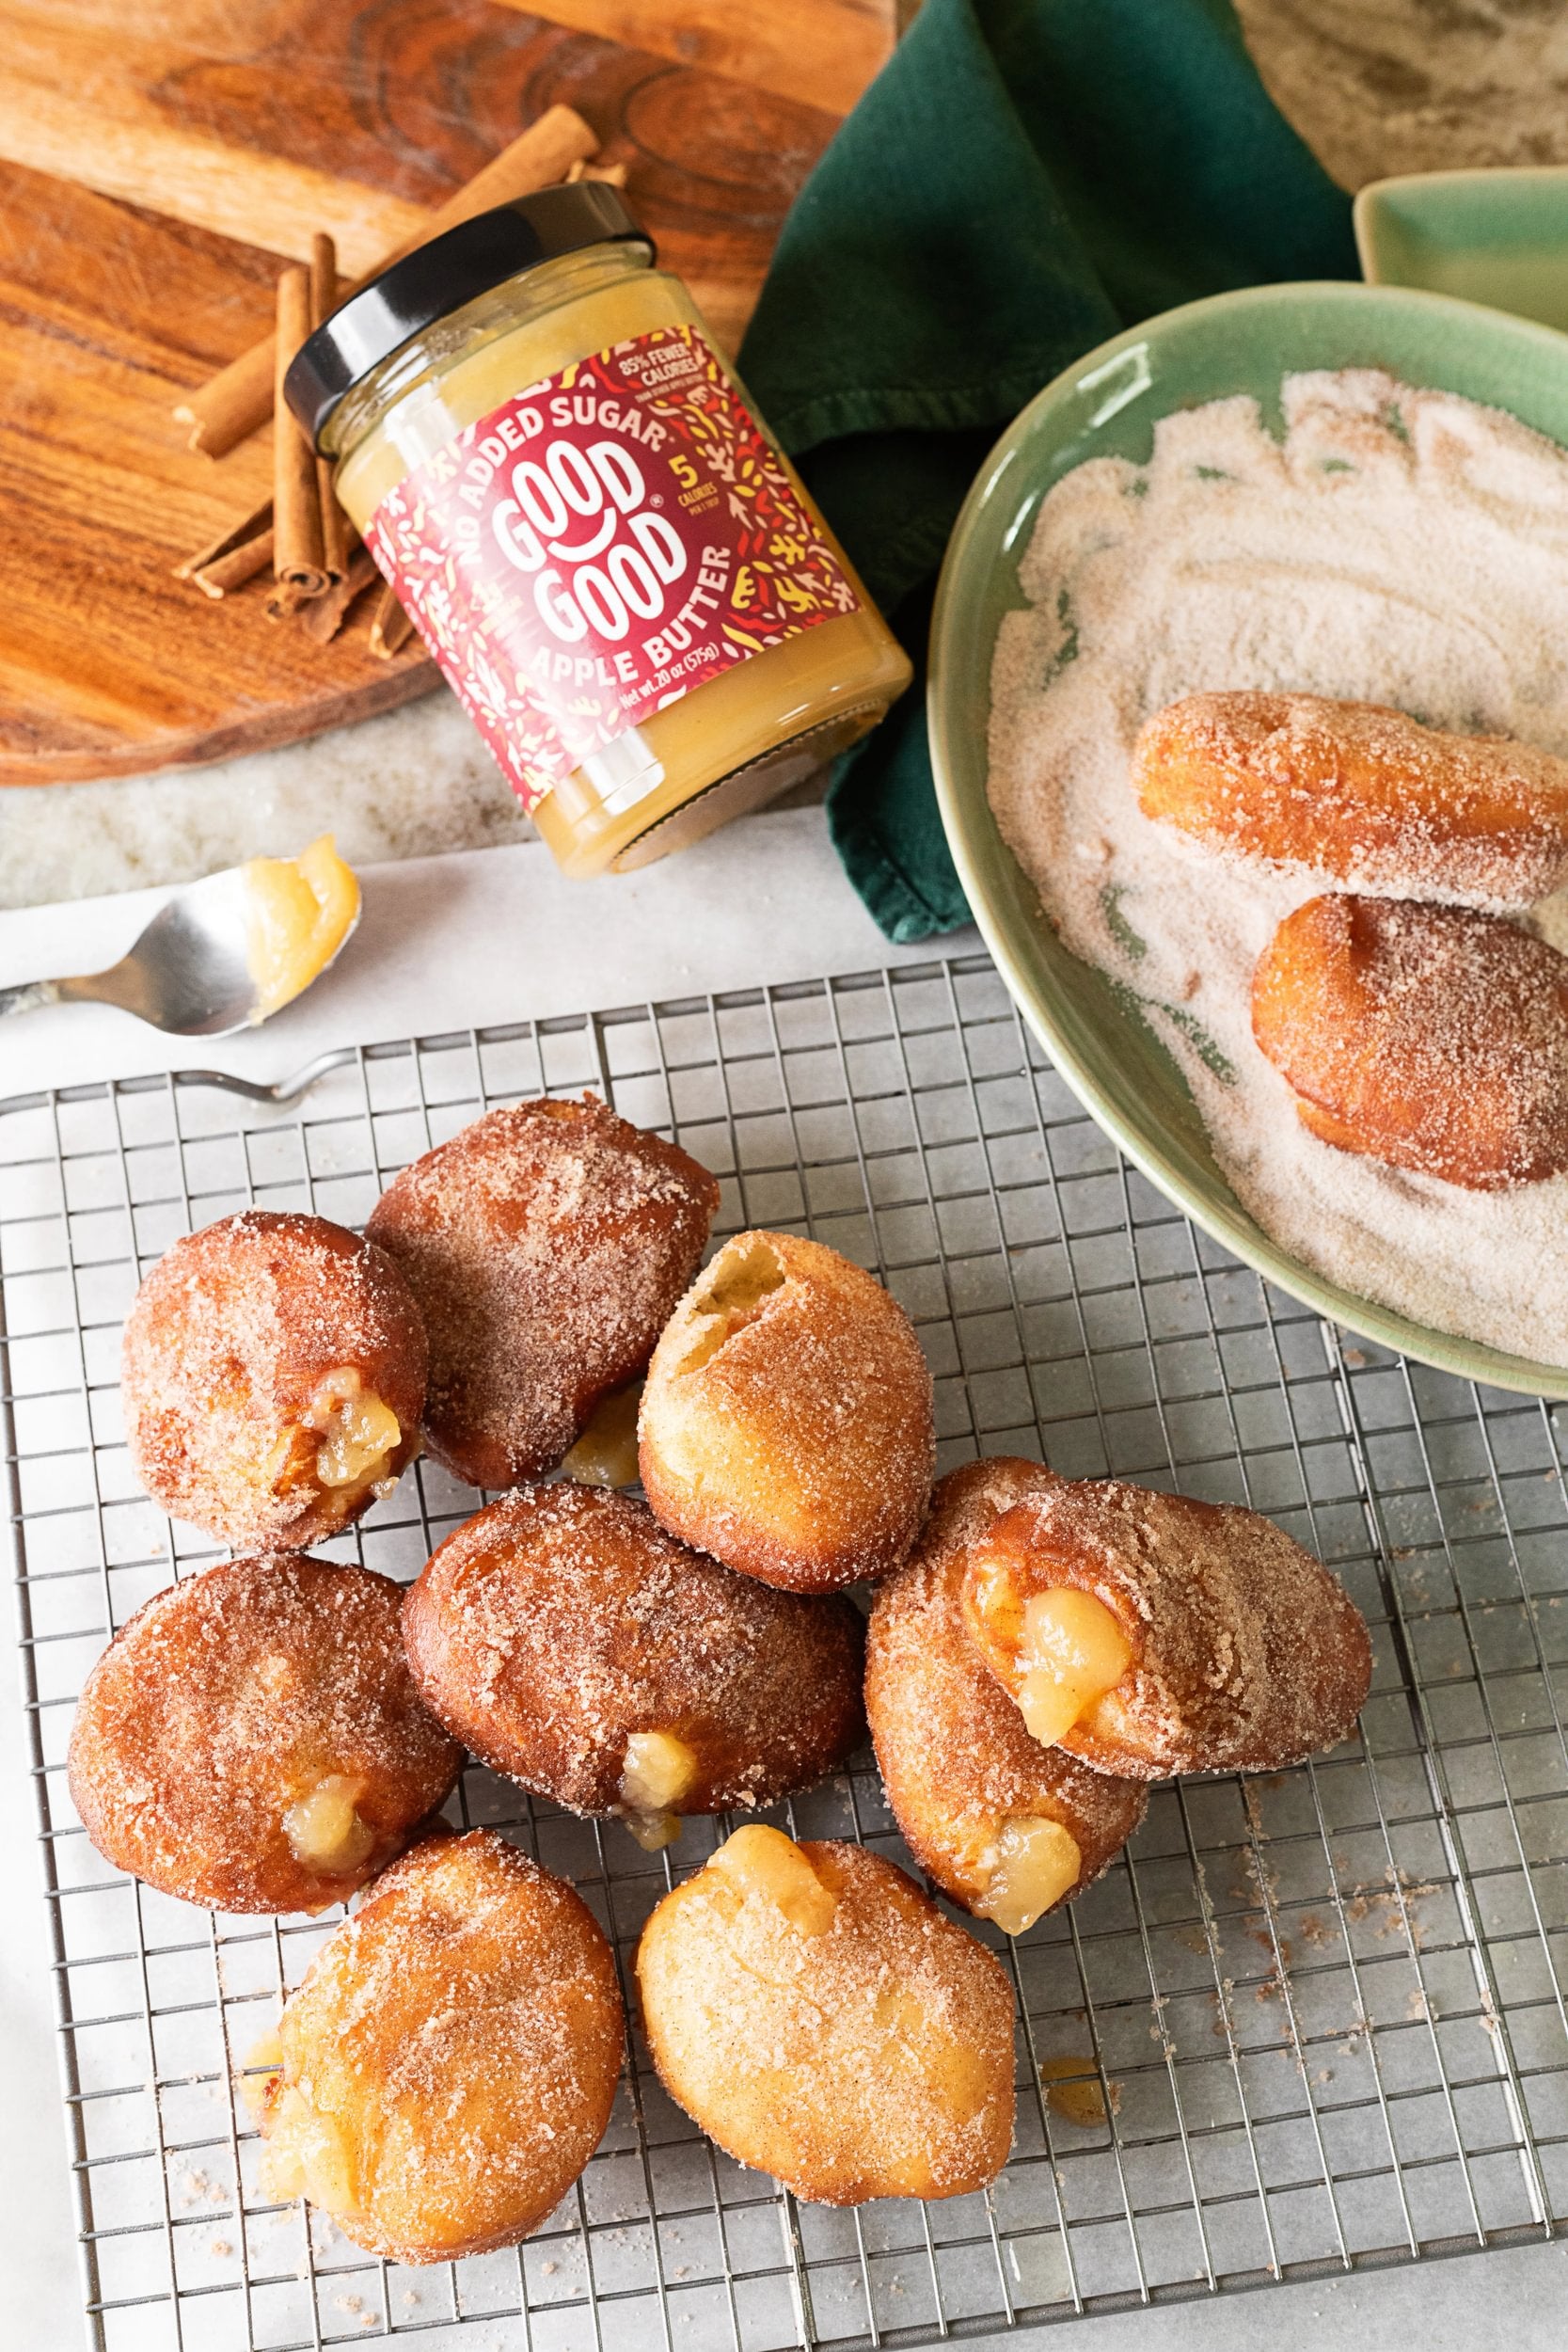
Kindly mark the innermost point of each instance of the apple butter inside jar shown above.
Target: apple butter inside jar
(624, 581)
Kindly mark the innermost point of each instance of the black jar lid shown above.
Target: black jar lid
(439, 278)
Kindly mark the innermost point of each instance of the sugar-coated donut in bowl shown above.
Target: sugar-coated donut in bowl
(786, 1424)
(448, 2065)
(822, 2020)
(573, 1644)
(252, 1739)
(272, 1377)
(546, 1245)
(1359, 793)
(1005, 1826)
(1433, 1038)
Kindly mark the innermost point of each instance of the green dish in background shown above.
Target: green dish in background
(1107, 407)
(1498, 237)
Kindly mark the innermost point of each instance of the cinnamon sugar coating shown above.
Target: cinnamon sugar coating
(450, 2060)
(786, 1422)
(1358, 793)
(950, 1746)
(546, 1245)
(1433, 1038)
(871, 2059)
(236, 1345)
(562, 1620)
(231, 1701)
(1248, 1656)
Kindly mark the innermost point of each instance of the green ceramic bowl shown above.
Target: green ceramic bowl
(1106, 405)
(1500, 237)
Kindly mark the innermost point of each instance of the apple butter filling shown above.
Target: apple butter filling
(658, 1771)
(358, 1434)
(306, 2154)
(765, 1863)
(324, 1831)
(1065, 1649)
(301, 910)
(605, 1454)
(1036, 1862)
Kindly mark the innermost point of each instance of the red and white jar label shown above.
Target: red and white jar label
(598, 545)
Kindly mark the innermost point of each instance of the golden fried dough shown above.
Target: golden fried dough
(571, 1642)
(449, 2063)
(545, 1244)
(1005, 1826)
(814, 2013)
(252, 1739)
(786, 1422)
(1433, 1038)
(1148, 1635)
(273, 1377)
(1361, 793)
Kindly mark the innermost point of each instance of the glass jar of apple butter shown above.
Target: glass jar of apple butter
(623, 579)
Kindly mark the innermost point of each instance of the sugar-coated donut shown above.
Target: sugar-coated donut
(573, 1644)
(787, 1421)
(1149, 1634)
(545, 1244)
(815, 2014)
(448, 2065)
(252, 1739)
(1359, 793)
(272, 1377)
(1005, 1826)
(1433, 1038)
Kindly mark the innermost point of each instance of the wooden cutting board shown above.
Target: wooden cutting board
(156, 157)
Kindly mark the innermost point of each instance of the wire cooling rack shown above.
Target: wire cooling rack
(1308, 2021)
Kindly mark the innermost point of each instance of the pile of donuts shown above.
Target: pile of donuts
(278, 1732)
(1413, 1018)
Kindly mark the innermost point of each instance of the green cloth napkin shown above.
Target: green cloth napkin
(1023, 179)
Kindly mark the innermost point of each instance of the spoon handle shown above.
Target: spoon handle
(286, 1090)
(26, 996)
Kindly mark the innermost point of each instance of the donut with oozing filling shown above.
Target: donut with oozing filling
(574, 1645)
(448, 2064)
(253, 1740)
(1150, 1634)
(272, 1377)
(1005, 1826)
(820, 2019)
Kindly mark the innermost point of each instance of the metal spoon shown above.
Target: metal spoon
(189, 973)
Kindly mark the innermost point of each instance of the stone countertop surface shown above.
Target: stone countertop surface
(1405, 86)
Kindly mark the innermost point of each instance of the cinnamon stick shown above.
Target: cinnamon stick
(240, 397)
(323, 616)
(233, 403)
(390, 626)
(323, 301)
(240, 534)
(231, 571)
(537, 159)
(298, 563)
